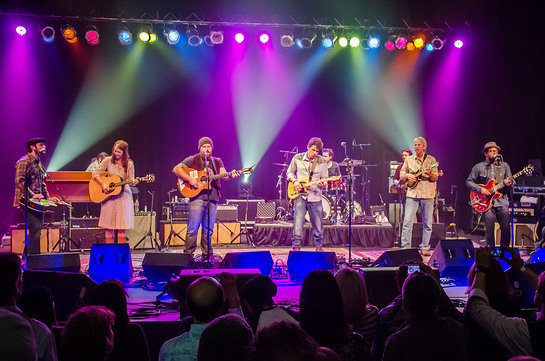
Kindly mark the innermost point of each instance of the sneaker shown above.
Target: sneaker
(425, 252)
(294, 248)
(319, 249)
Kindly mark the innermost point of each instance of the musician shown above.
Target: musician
(95, 162)
(314, 167)
(493, 167)
(117, 213)
(405, 153)
(198, 205)
(420, 196)
(30, 172)
(333, 168)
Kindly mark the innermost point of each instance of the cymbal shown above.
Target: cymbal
(288, 151)
(281, 164)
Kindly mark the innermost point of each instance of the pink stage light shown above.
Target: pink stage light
(239, 37)
(390, 45)
(458, 43)
(21, 30)
(264, 38)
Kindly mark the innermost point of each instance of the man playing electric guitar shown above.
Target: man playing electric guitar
(206, 199)
(493, 167)
(421, 194)
(314, 167)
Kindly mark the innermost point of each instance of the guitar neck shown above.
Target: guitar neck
(321, 180)
(221, 175)
(513, 177)
(127, 181)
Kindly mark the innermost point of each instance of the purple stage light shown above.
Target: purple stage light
(458, 43)
(264, 38)
(21, 30)
(239, 38)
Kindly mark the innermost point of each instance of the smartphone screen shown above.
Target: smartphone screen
(497, 252)
(413, 269)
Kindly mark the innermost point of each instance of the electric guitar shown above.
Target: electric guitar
(419, 175)
(293, 193)
(204, 181)
(483, 203)
(115, 184)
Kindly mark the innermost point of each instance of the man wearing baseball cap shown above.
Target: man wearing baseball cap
(493, 167)
(30, 182)
(202, 205)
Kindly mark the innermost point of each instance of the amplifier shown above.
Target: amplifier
(91, 222)
(265, 213)
(179, 211)
(227, 213)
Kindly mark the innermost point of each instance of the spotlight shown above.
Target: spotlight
(327, 42)
(264, 38)
(410, 46)
(354, 42)
(193, 37)
(418, 42)
(343, 42)
(390, 44)
(216, 37)
(91, 35)
(124, 36)
(152, 38)
(299, 43)
(328, 39)
(145, 33)
(69, 34)
(208, 40)
(21, 30)
(173, 36)
(401, 42)
(438, 42)
(307, 40)
(286, 40)
(48, 34)
(239, 37)
(458, 43)
(373, 42)
(429, 47)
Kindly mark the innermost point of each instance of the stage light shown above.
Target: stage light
(390, 44)
(91, 35)
(216, 37)
(373, 42)
(69, 34)
(286, 40)
(410, 46)
(152, 38)
(327, 42)
(328, 39)
(343, 42)
(124, 36)
(401, 42)
(193, 37)
(429, 47)
(458, 43)
(299, 43)
(208, 40)
(144, 36)
(264, 38)
(48, 34)
(172, 36)
(354, 42)
(21, 30)
(438, 42)
(239, 37)
(418, 42)
(307, 40)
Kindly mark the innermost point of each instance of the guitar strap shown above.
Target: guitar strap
(312, 170)
(498, 169)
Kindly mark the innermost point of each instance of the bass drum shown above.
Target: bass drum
(326, 209)
(358, 211)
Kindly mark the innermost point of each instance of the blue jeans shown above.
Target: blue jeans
(197, 215)
(501, 215)
(411, 207)
(315, 211)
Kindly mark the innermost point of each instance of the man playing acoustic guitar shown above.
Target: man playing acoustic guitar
(493, 168)
(199, 204)
(420, 173)
(308, 167)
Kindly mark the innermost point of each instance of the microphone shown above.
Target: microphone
(353, 143)
(343, 144)
(42, 151)
(497, 158)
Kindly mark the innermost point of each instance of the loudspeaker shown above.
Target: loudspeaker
(524, 234)
(266, 211)
(109, 261)
(381, 285)
(48, 238)
(523, 293)
(223, 233)
(437, 234)
(301, 263)
(259, 259)
(64, 262)
(161, 266)
(86, 237)
(394, 258)
(252, 208)
(70, 290)
(453, 258)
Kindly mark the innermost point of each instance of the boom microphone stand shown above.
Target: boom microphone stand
(171, 216)
(350, 203)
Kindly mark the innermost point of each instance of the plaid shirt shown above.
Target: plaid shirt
(33, 168)
(425, 188)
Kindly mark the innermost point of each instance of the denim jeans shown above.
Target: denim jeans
(315, 211)
(501, 215)
(197, 215)
(411, 207)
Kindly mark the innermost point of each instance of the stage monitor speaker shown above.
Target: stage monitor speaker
(524, 294)
(453, 258)
(395, 257)
(301, 263)
(61, 262)
(381, 285)
(70, 290)
(109, 261)
(161, 266)
(258, 259)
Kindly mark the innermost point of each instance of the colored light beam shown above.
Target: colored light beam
(266, 90)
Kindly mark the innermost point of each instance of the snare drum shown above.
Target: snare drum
(326, 209)
(335, 185)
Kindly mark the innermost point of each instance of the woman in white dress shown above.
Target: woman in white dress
(117, 213)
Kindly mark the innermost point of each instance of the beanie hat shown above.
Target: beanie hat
(205, 140)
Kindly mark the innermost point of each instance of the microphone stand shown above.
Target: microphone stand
(171, 216)
(208, 262)
(364, 180)
(350, 205)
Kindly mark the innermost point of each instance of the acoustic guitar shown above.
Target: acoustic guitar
(205, 182)
(294, 194)
(115, 184)
(419, 175)
(483, 203)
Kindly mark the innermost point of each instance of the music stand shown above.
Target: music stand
(244, 229)
(172, 232)
(151, 232)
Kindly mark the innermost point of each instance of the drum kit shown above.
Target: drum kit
(335, 200)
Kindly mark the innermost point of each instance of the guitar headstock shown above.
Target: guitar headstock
(528, 169)
(247, 170)
(149, 178)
